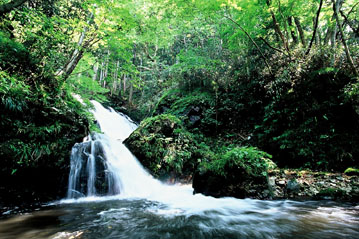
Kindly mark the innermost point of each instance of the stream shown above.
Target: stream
(110, 195)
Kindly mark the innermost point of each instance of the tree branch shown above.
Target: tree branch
(252, 40)
(315, 28)
(347, 52)
(271, 47)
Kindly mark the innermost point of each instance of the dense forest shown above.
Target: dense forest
(213, 82)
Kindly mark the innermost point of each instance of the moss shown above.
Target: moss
(351, 171)
(249, 159)
(196, 109)
(240, 172)
(333, 193)
(164, 146)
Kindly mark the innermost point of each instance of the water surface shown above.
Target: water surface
(106, 218)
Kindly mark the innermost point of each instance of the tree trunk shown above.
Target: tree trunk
(300, 30)
(124, 84)
(115, 76)
(317, 38)
(130, 94)
(347, 52)
(76, 54)
(95, 70)
(292, 32)
(277, 27)
(315, 28)
(279, 32)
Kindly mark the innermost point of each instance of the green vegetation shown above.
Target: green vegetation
(220, 80)
(165, 147)
(332, 193)
(252, 161)
(351, 171)
(241, 172)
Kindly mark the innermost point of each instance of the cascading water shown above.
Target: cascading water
(110, 195)
(105, 165)
(95, 168)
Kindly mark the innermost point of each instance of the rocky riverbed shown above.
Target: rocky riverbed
(295, 184)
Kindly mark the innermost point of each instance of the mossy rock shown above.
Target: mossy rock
(241, 172)
(165, 147)
(331, 193)
(352, 172)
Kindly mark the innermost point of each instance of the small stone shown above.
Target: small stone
(272, 181)
(321, 183)
(281, 182)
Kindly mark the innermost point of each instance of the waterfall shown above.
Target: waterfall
(102, 165)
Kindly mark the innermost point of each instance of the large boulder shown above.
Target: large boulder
(240, 173)
(165, 147)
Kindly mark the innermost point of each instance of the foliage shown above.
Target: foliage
(253, 161)
(164, 146)
(351, 171)
(223, 73)
(196, 109)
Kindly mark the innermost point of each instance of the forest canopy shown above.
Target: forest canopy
(280, 75)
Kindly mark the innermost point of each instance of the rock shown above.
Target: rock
(282, 182)
(194, 119)
(271, 181)
(321, 183)
(164, 146)
(236, 174)
(293, 186)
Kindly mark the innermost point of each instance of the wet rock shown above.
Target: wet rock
(293, 186)
(271, 181)
(240, 173)
(316, 185)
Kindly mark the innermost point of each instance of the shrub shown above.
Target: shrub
(249, 159)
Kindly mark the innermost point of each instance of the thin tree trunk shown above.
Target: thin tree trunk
(315, 28)
(329, 35)
(130, 94)
(292, 32)
(95, 70)
(124, 84)
(277, 27)
(279, 32)
(76, 54)
(285, 25)
(347, 52)
(115, 76)
(300, 30)
(317, 39)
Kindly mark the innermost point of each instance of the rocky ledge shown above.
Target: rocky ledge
(307, 185)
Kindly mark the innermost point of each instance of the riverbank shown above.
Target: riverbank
(309, 185)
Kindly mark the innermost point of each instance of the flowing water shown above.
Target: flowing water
(111, 196)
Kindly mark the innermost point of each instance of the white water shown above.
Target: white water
(135, 182)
